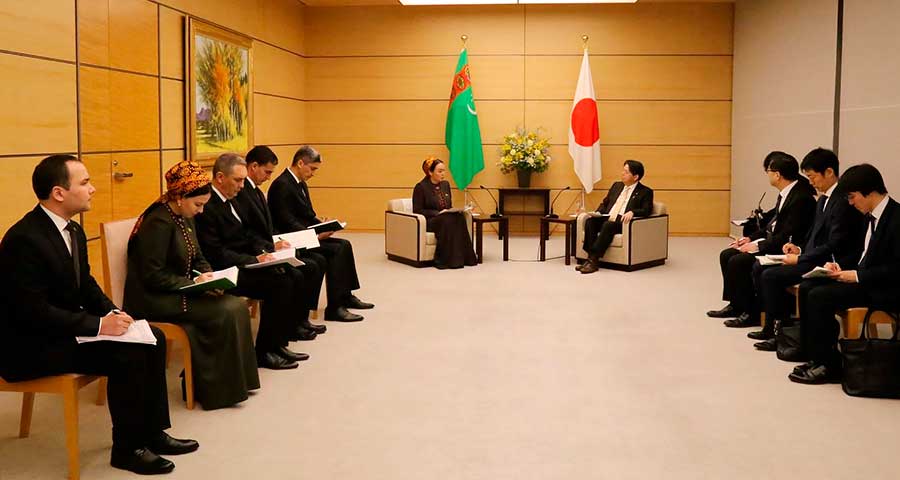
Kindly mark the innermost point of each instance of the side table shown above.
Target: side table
(479, 235)
(570, 235)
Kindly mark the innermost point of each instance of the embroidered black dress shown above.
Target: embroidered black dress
(454, 244)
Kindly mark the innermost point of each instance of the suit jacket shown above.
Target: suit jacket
(838, 230)
(290, 204)
(641, 201)
(425, 200)
(253, 208)
(879, 271)
(792, 222)
(160, 261)
(224, 239)
(43, 308)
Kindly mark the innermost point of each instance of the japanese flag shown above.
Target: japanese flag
(584, 130)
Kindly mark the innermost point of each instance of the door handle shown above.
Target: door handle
(122, 175)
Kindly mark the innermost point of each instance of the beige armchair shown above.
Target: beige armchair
(405, 238)
(644, 242)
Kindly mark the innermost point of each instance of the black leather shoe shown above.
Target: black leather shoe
(303, 335)
(743, 321)
(274, 361)
(589, 267)
(804, 366)
(316, 328)
(289, 355)
(815, 375)
(768, 345)
(761, 335)
(140, 461)
(164, 444)
(727, 312)
(354, 302)
(341, 314)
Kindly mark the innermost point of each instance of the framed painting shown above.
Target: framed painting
(219, 91)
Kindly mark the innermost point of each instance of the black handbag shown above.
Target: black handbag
(789, 343)
(872, 365)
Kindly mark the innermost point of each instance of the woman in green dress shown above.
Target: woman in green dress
(163, 256)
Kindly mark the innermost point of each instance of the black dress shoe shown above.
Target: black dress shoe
(816, 375)
(314, 327)
(804, 366)
(768, 345)
(341, 314)
(761, 335)
(286, 354)
(743, 321)
(303, 335)
(140, 461)
(354, 302)
(589, 267)
(163, 444)
(274, 361)
(727, 312)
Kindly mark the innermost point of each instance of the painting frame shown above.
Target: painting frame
(200, 149)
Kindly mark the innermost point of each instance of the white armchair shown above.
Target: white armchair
(644, 242)
(405, 238)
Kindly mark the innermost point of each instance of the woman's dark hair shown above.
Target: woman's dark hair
(199, 191)
(863, 178)
(51, 172)
(636, 168)
(786, 165)
(434, 164)
(819, 160)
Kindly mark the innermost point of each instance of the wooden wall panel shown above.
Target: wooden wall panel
(133, 195)
(172, 103)
(133, 36)
(690, 212)
(93, 32)
(277, 120)
(39, 106)
(94, 109)
(39, 27)
(169, 159)
(281, 22)
(640, 122)
(629, 29)
(119, 111)
(402, 122)
(497, 29)
(278, 72)
(364, 212)
(100, 168)
(15, 176)
(641, 77)
(237, 15)
(171, 43)
(412, 78)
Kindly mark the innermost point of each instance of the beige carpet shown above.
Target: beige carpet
(512, 370)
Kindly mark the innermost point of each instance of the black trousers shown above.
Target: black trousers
(281, 290)
(737, 279)
(820, 299)
(340, 269)
(136, 390)
(772, 287)
(599, 233)
(313, 274)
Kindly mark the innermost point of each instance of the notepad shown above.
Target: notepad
(766, 260)
(222, 280)
(739, 223)
(286, 256)
(456, 210)
(329, 226)
(138, 332)
(597, 214)
(300, 239)
(818, 272)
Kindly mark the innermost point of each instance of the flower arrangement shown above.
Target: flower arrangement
(524, 152)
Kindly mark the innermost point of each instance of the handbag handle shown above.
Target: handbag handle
(895, 316)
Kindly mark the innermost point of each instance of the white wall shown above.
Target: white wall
(784, 71)
(870, 87)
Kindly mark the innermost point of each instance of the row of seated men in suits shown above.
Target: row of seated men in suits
(852, 229)
(200, 224)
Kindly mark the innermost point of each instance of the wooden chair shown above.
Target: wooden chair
(66, 385)
(852, 319)
(114, 245)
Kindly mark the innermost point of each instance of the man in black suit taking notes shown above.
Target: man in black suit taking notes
(625, 200)
(49, 297)
(292, 210)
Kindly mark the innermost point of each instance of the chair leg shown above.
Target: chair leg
(853, 322)
(70, 407)
(101, 391)
(169, 344)
(27, 410)
(188, 376)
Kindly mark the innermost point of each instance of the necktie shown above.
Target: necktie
(823, 200)
(869, 234)
(72, 228)
(233, 211)
(771, 227)
(261, 197)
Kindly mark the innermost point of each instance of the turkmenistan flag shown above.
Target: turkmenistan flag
(463, 137)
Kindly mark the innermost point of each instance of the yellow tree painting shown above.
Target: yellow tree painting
(220, 92)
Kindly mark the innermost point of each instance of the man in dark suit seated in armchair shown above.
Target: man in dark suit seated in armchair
(872, 280)
(292, 210)
(625, 200)
(49, 297)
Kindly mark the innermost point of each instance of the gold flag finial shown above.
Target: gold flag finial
(464, 38)
(584, 40)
